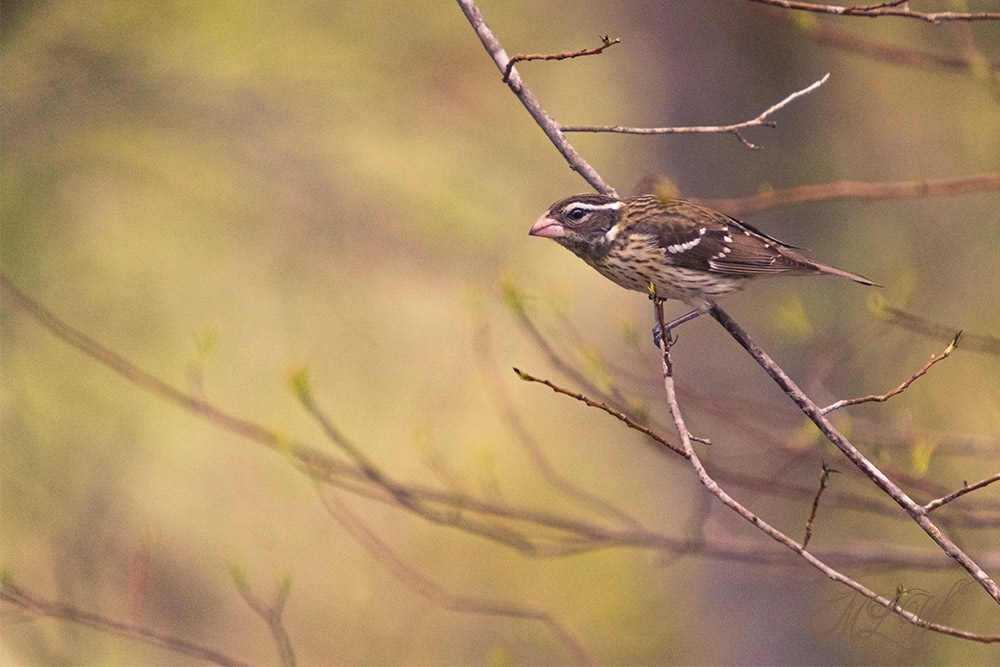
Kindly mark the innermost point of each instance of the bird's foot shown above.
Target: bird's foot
(658, 336)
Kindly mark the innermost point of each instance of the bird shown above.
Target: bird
(671, 248)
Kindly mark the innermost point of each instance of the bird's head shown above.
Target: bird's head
(580, 220)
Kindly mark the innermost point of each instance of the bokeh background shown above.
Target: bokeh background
(225, 192)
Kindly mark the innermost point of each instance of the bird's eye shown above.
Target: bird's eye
(576, 214)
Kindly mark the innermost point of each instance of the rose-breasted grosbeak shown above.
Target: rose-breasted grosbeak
(685, 251)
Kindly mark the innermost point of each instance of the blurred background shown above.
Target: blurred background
(225, 192)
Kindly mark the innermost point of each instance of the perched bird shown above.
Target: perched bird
(683, 250)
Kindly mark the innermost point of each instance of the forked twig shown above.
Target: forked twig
(760, 121)
(882, 398)
(916, 512)
(269, 611)
(769, 530)
(870, 470)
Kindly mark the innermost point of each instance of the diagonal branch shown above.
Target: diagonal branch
(554, 535)
(621, 416)
(895, 8)
(549, 126)
(901, 318)
(769, 530)
(20, 597)
(815, 414)
(436, 593)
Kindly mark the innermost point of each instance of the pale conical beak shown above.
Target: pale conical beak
(547, 228)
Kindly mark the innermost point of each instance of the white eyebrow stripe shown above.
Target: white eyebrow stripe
(610, 206)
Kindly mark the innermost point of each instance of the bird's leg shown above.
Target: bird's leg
(658, 334)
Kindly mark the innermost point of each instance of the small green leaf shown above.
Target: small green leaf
(298, 380)
(239, 578)
(920, 457)
(511, 296)
(205, 341)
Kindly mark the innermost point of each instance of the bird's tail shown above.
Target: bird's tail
(823, 268)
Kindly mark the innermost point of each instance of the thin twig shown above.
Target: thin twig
(966, 488)
(270, 612)
(854, 190)
(606, 42)
(551, 535)
(824, 480)
(624, 418)
(549, 126)
(515, 302)
(775, 534)
(433, 591)
(491, 375)
(921, 325)
(759, 121)
(881, 398)
(26, 600)
(903, 56)
(882, 9)
(813, 411)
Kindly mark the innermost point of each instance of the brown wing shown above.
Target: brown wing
(699, 238)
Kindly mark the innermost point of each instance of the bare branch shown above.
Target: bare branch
(921, 325)
(760, 121)
(854, 190)
(26, 600)
(269, 611)
(824, 480)
(898, 8)
(552, 536)
(903, 56)
(515, 302)
(624, 418)
(756, 521)
(549, 126)
(606, 42)
(811, 410)
(433, 591)
(881, 398)
(491, 376)
(966, 488)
